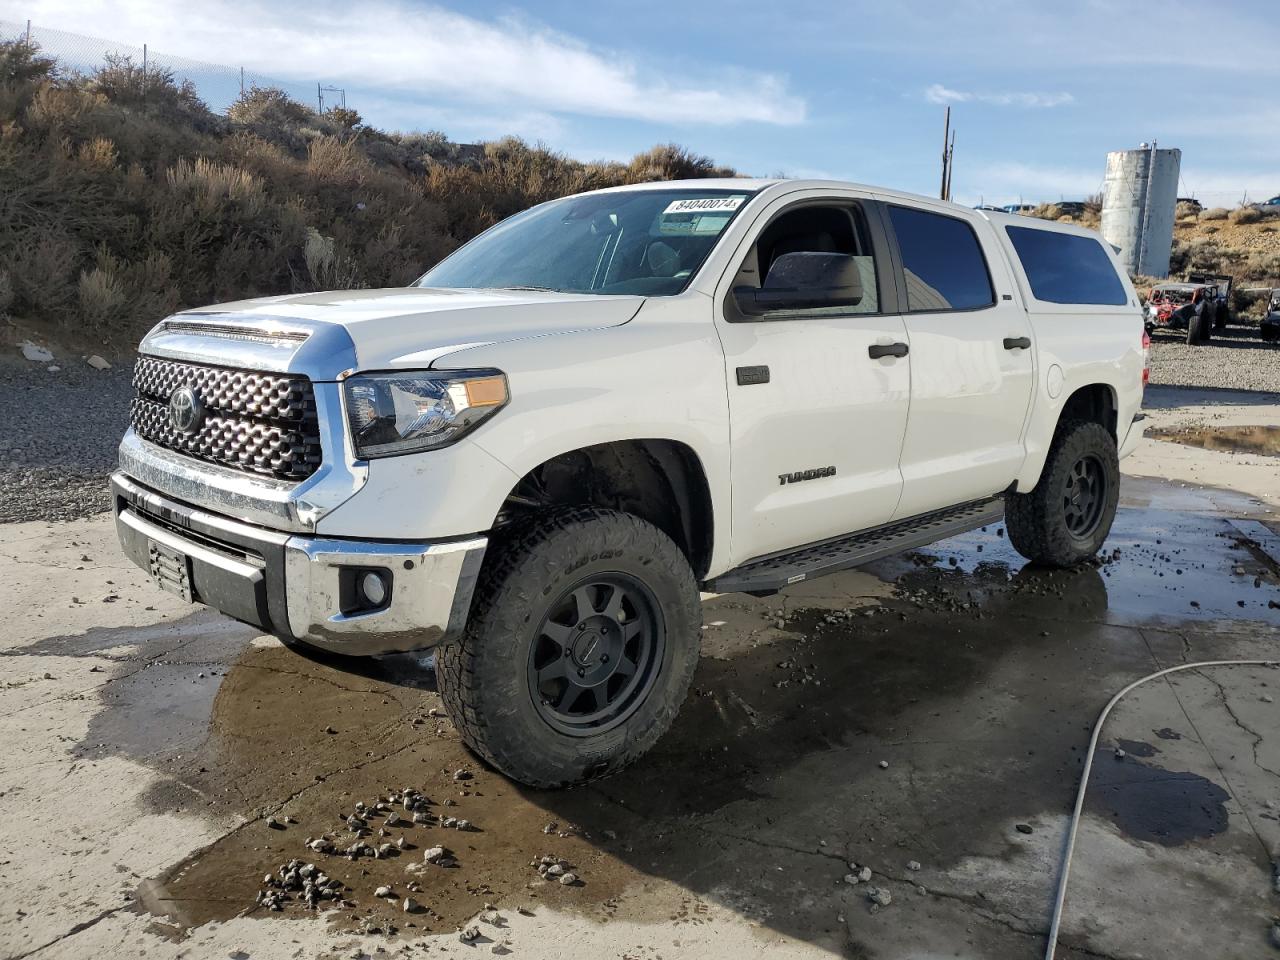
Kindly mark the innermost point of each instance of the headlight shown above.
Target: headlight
(405, 412)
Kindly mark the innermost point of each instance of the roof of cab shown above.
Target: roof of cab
(776, 184)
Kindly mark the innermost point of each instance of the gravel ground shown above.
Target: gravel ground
(1233, 359)
(58, 437)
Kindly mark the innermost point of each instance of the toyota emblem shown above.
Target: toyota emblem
(186, 410)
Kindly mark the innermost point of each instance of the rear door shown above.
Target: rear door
(972, 358)
(816, 421)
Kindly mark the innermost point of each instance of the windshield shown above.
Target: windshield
(647, 242)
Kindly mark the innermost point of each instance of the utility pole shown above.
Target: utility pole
(951, 163)
(319, 98)
(28, 32)
(946, 136)
(242, 81)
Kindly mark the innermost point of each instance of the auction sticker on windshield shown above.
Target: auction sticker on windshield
(705, 205)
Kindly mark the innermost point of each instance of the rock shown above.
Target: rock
(880, 896)
(1022, 827)
(98, 363)
(1268, 698)
(492, 917)
(330, 730)
(864, 874)
(434, 854)
(851, 879)
(462, 775)
(411, 905)
(555, 870)
(469, 934)
(569, 879)
(53, 368)
(1119, 754)
(274, 824)
(884, 764)
(382, 893)
(913, 865)
(551, 827)
(35, 353)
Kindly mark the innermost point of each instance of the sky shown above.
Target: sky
(1039, 91)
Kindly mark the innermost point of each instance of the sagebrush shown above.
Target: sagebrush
(124, 197)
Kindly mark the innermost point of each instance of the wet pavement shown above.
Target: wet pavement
(926, 718)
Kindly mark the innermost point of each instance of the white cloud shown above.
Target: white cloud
(431, 52)
(937, 93)
(1026, 183)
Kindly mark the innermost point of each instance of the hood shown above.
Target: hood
(412, 326)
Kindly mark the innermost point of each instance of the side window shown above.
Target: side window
(1066, 268)
(944, 266)
(820, 252)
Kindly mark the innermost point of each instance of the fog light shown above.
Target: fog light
(373, 588)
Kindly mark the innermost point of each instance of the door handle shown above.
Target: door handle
(1017, 343)
(878, 350)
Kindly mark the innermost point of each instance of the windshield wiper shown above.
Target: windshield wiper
(529, 287)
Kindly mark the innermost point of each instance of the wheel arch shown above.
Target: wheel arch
(1096, 402)
(659, 480)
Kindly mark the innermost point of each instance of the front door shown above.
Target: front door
(972, 361)
(816, 420)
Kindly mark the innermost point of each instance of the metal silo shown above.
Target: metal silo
(1139, 198)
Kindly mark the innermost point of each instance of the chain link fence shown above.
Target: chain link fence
(217, 84)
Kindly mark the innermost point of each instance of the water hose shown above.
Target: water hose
(1061, 896)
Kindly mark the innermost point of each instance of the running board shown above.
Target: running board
(770, 574)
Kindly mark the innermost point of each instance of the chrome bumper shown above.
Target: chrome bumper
(293, 585)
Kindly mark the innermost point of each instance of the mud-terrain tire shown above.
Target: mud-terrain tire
(1221, 317)
(1197, 328)
(1068, 515)
(542, 580)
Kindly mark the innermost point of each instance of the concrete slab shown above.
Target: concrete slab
(140, 772)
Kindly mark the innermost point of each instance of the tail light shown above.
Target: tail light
(1146, 357)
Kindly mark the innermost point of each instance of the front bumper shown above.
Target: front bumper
(293, 585)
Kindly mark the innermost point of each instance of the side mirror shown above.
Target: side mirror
(804, 281)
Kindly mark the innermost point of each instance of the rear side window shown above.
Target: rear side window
(1065, 268)
(943, 263)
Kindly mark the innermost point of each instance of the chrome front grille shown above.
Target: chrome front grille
(260, 422)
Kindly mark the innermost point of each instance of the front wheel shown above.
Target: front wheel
(1068, 515)
(580, 648)
(1198, 328)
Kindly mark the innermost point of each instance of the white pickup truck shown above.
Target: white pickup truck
(536, 457)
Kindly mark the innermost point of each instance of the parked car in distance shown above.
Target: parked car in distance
(1273, 202)
(988, 206)
(1178, 305)
(1191, 202)
(1018, 207)
(534, 458)
(1068, 208)
(1269, 329)
(1220, 295)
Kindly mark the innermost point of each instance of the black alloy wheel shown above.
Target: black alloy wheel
(597, 654)
(1084, 496)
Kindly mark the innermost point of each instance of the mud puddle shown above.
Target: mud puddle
(1155, 805)
(1263, 440)
(1157, 566)
(967, 677)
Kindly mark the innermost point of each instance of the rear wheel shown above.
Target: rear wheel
(1221, 316)
(1066, 518)
(580, 647)
(1197, 328)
